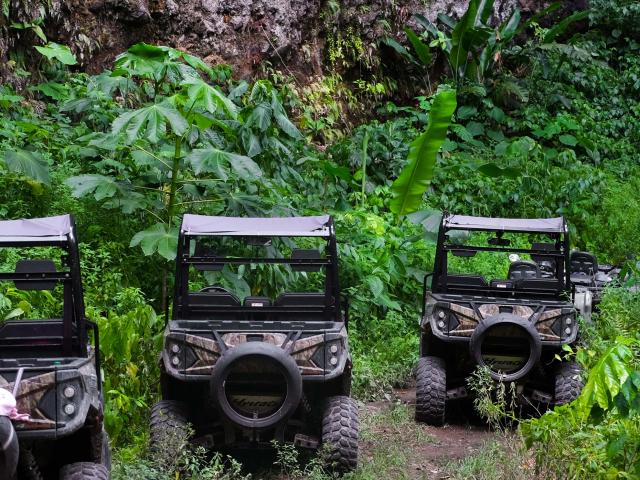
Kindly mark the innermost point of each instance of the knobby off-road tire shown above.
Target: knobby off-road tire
(84, 471)
(340, 427)
(169, 426)
(569, 383)
(28, 467)
(431, 390)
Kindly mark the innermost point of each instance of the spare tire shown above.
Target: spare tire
(507, 344)
(256, 385)
(8, 448)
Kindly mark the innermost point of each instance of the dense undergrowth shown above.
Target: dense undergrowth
(550, 127)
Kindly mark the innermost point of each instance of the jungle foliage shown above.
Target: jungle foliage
(534, 122)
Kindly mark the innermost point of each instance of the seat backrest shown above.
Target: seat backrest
(523, 269)
(35, 266)
(307, 254)
(203, 304)
(301, 299)
(453, 281)
(544, 247)
(213, 299)
(583, 262)
(539, 284)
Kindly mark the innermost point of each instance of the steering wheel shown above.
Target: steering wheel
(215, 289)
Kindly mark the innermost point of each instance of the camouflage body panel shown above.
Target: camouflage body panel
(305, 347)
(28, 397)
(40, 395)
(469, 314)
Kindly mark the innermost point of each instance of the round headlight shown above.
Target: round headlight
(69, 392)
(69, 409)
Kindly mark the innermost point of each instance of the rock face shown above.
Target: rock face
(242, 33)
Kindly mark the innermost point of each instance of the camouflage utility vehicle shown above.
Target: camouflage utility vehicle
(48, 365)
(274, 365)
(514, 325)
(590, 279)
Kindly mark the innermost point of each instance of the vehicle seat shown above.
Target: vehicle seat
(207, 305)
(523, 269)
(305, 254)
(546, 263)
(301, 299)
(35, 266)
(453, 281)
(583, 263)
(539, 284)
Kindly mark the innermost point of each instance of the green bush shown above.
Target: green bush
(597, 435)
(130, 342)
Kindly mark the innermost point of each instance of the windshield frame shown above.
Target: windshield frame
(521, 288)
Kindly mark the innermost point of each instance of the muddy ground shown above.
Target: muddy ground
(430, 451)
(393, 446)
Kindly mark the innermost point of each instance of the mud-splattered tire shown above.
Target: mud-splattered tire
(28, 466)
(169, 426)
(340, 426)
(569, 383)
(84, 471)
(431, 390)
(105, 455)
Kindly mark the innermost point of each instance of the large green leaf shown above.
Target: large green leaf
(150, 123)
(140, 59)
(559, 28)
(493, 170)
(62, 53)
(606, 378)
(100, 185)
(57, 91)
(213, 160)
(428, 26)
(410, 186)
(509, 28)
(158, 238)
(390, 42)
(281, 118)
(459, 49)
(430, 221)
(29, 164)
(260, 116)
(207, 97)
(209, 160)
(421, 48)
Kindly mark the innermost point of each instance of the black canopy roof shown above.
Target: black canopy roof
(36, 229)
(319, 226)
(533, 225)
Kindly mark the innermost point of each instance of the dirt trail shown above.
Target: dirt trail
(393, 446)
(427, 449)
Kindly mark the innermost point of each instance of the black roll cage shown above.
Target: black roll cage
(184, 260)
(561, 252)
(73, 344)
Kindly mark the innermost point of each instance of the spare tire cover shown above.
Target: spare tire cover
(256, 385)
(528, 335)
